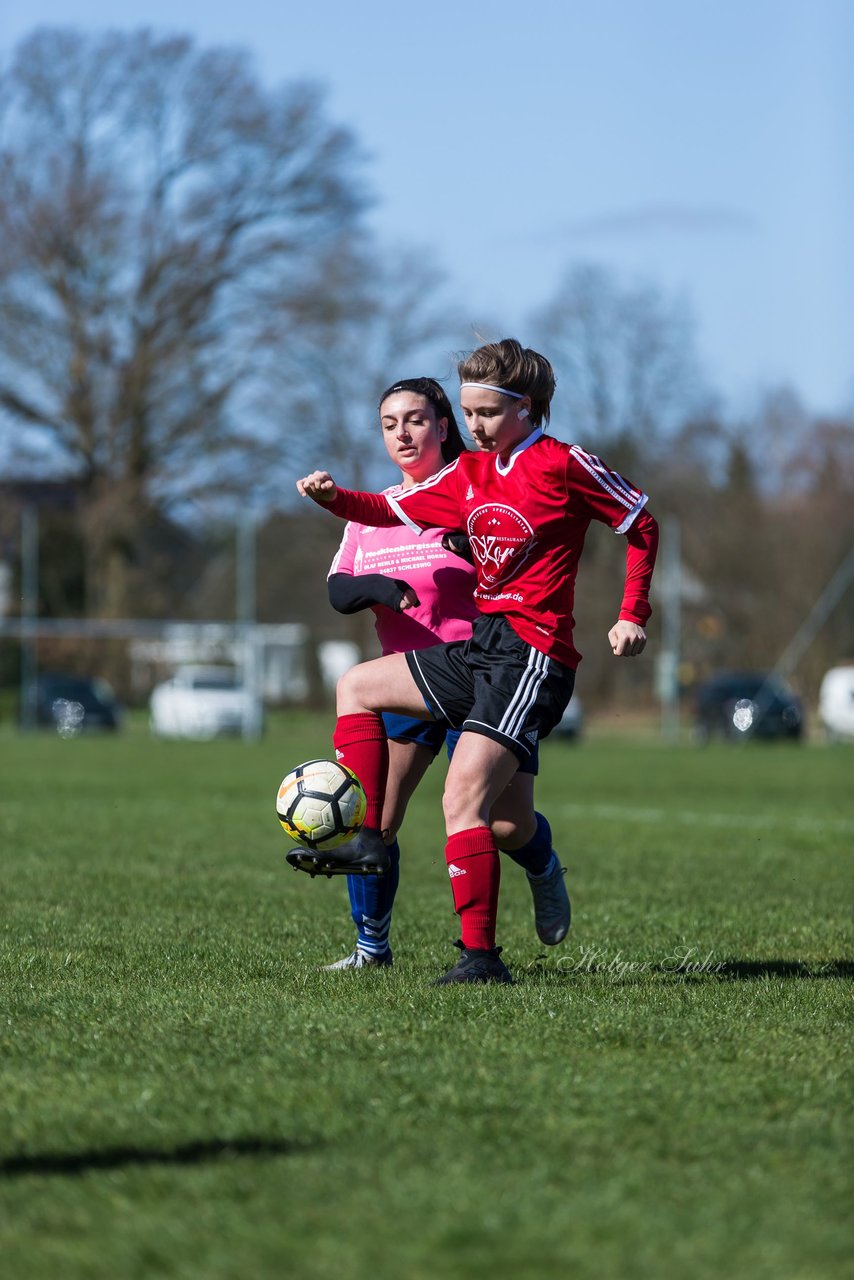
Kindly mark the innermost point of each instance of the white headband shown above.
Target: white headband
(487, 386)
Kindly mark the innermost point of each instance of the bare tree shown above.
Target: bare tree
(152, 196)
(766, 506)
(373, 316)
(625, 359)
(627, 380)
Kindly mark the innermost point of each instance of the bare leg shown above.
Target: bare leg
(407, 764)
(372, 897)
(361, 745)
(479, 772)
(512, 817)
(385, 684)
(515, 824)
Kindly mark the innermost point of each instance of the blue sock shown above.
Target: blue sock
(536, 855)
(371, 901)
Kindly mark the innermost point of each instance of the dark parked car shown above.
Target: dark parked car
(73, 704)
(739, 705)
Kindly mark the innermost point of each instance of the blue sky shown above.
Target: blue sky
(706, 147)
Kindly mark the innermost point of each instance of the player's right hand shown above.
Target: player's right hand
(319, 485)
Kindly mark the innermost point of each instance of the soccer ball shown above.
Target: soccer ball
(321, 804)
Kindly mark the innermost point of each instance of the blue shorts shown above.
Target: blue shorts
(432, 734)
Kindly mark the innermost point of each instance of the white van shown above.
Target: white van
(836, 702)
(205, 702)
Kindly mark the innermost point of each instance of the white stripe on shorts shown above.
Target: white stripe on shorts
(526, 695)
(413, 654)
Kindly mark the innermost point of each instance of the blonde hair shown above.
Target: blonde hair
(509, 365)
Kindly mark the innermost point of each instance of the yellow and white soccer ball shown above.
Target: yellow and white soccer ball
(321, 804)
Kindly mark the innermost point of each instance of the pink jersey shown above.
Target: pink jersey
(526, 518)
(443, 582)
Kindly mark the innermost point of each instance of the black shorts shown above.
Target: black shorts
(494, 684)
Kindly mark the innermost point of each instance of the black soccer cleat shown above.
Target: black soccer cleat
(476, 964)
(364, 855)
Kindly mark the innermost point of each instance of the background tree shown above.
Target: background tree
(628, 379)
(374, 315)
(625, 360)
(766, 509)
(765, 502)
(152, 196)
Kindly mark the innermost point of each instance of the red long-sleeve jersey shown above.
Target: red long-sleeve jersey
(526, 518)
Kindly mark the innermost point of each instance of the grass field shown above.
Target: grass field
(185, 1094)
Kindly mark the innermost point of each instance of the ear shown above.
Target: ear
(443, 428)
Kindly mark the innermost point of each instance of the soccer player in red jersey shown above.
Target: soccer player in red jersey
(525, 502)
(421, 593)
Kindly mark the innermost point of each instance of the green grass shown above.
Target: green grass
(184, 1094)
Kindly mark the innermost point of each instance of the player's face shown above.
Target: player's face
(493, 419)
(413, 435)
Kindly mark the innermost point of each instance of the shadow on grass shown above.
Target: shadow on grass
(618, 967)
(748, 969)
(73, 1163)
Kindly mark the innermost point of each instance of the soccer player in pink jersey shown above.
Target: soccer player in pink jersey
(421, 593)
(525, 502)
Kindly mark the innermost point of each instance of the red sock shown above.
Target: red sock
(475, 871)
(361, 744)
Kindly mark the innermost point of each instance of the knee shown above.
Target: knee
(506, 833)
(350, 694)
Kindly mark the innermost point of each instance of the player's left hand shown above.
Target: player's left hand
(408, 599)
(626, 639)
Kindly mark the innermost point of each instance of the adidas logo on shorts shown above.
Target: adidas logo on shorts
(454, 870)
